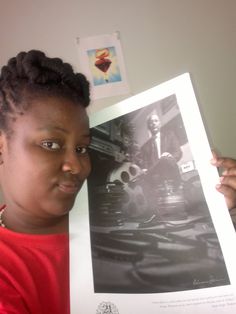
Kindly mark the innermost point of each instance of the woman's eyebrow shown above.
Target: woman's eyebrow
(53, 128)
(61, 129)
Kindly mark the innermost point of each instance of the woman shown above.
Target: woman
(44, 138)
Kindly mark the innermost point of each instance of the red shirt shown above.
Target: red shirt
(34, 273)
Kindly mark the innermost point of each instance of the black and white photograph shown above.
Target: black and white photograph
(150, 227)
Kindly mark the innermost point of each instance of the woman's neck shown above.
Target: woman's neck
(22, 224)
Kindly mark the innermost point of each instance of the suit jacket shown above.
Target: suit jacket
(169, 144)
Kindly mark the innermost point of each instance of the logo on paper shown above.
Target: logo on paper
(107, 308)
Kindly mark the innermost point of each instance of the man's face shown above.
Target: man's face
(154, 124)
(126, 140)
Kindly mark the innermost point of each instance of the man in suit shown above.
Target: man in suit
(160, 155)
(162, 151)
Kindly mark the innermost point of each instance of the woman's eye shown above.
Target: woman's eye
(51, 145)
(81, 150)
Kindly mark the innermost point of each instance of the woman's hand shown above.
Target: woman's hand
(227, 185)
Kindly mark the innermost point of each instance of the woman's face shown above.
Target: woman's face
(45, 161)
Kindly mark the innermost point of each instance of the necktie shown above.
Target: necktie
(155, 151)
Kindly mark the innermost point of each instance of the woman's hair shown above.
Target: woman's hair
(31, 75)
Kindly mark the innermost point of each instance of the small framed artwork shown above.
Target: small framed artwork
(102, 61)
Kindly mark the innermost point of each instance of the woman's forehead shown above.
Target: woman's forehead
(51, 113)
(56, 107)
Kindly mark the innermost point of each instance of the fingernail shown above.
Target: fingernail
(221, 179)
(225, 172)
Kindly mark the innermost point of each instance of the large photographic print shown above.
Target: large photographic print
(150, 226)
(149, 233)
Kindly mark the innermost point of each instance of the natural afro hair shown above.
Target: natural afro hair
(32, 74)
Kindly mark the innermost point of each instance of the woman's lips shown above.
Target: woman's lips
(69, 188)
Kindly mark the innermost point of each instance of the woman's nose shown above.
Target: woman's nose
(72, 163)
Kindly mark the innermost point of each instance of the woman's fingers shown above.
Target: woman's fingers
(227, 185)
(229, 193)
(222, 162)
(229, 178)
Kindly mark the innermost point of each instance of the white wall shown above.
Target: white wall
(160, 38)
